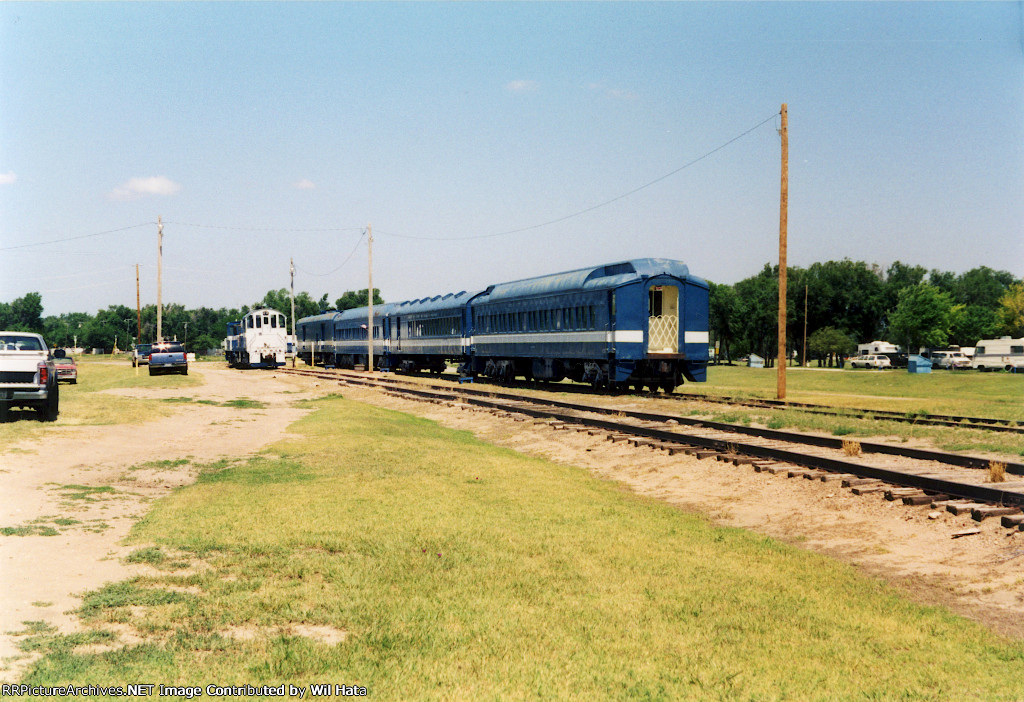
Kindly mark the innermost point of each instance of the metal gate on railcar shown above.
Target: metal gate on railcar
(663, 319)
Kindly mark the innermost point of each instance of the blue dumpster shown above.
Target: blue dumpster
(918, 364)
(755, 361)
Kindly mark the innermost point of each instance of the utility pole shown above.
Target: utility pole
(138, 307)
(291, 265)
(804, 364)
(159, 279)
(369, 296)
(783, 213)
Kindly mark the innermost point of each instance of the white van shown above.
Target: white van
(1003, 353)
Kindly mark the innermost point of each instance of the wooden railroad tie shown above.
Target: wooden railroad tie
(897, 493)
(963, 508)
(922, 499)
(1011, 521)
(867, 489)
(981, 513)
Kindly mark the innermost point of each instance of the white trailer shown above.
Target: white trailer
(877, 347)
(1003, 353)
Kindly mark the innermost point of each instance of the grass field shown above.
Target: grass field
(963, 393)
(445, 568)
(969, 393)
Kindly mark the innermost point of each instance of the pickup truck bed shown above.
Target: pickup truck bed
(168, 357)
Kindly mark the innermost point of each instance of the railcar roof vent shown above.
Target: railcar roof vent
(611, 269)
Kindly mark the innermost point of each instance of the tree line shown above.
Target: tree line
(850, 302)
(118, 325)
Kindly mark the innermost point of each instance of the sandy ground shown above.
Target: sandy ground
(42, 577)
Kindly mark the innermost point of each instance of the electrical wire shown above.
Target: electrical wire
(347, 259)
(73, 238)
(507, 232)
(269, 229)
(592, 207)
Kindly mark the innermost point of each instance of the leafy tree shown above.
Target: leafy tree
(829, 343)
(1011, 310)
(723, 318)
(847, 295)
(982, 287)
(24, 314)
(352, 299)
(944, 281)
(757, 313)
(973, 322)
(897, 277)
(922, 317)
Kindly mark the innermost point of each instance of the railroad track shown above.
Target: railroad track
(919, 418)
(954, 482)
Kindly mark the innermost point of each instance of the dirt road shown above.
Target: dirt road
(90, 484)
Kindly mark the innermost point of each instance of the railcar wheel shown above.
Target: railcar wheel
(669, 388)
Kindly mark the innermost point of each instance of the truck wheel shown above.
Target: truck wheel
(4, 409)
(49, 411)
(185, 371)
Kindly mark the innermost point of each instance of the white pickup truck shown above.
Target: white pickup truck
(27, 375)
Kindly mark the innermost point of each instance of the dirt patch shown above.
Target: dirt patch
(979, 576)
(86, 486)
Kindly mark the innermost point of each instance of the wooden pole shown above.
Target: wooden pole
(295, 340)
(138, 307)
(783, 206)
(159, 280)
(804, 364)
(369, 296)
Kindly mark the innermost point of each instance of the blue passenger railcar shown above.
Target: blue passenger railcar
(350, 332)
(315, 337)
(426, 334)
(641, 323)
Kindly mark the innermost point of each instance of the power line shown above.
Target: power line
(73, 238)
(347, 259)
(592, 207)
(409, 236)
(268, 229)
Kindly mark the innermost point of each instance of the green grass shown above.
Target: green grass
(464, 571)
(998, 395)
(969, 393)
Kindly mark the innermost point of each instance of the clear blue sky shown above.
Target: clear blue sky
(283, 129)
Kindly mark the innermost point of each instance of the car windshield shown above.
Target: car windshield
(20, 343)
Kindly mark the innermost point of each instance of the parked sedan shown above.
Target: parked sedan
(64, 365)
(872, 361)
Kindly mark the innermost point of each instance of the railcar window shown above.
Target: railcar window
(258, 320)
(249, 322)
(273, 321)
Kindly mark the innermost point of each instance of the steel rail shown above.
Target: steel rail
(953, 459)
(939, 486)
